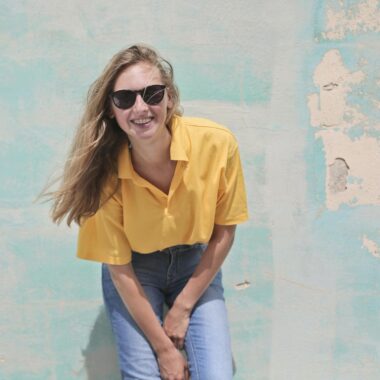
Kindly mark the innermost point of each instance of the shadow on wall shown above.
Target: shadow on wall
(100, 358)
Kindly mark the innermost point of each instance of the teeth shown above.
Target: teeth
(142, 121)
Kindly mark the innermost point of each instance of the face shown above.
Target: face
(141, 121)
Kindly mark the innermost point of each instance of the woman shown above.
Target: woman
(157, 197)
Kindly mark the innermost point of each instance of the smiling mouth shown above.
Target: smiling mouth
(141, 122)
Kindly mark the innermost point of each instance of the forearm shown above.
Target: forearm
(210, 263)
(134, 298)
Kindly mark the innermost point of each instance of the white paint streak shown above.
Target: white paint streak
(371, 246)
(359, 18)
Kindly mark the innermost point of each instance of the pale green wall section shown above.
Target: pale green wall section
(312, 308)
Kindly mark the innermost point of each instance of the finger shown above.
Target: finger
(180, 343)
(187, 374)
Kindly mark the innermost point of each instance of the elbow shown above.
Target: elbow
(224, 233)
(232, 239)
(119, 273)
(115, 275)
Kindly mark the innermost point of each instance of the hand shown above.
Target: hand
(173, 365)
(176, 324)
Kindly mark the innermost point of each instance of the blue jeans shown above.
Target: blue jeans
(163, 274)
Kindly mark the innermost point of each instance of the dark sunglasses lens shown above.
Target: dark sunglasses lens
(154, 94)
(124, 99)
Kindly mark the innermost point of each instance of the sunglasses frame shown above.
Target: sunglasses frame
(142, 93)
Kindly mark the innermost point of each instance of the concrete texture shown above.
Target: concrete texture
(298, 83)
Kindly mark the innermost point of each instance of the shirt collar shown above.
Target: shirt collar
(179, 149)
(180, 144)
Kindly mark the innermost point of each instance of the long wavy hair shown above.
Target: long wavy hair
(92, 159)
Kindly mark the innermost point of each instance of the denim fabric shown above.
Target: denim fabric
(163, 274)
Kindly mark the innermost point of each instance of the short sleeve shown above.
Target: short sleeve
(231, 205)
(102, 237)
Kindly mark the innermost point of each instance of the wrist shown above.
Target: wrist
(165, 345)
(183, 305)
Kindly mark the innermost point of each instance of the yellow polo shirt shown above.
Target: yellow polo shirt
(207, 189)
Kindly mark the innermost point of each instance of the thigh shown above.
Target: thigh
(207, 343)
(136, 357)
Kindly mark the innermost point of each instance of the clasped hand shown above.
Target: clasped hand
(176, 324)
(173, 365)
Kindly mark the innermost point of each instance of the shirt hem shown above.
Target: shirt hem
(105, 261)
(240, 219)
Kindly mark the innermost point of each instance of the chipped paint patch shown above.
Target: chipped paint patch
(329, 108)
(363, 17)
(351, 144)
(371, 246)
(338, 172)
(362, 160)
(243, 285)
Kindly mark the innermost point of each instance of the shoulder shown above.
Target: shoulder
(208, 131)
(203, 125)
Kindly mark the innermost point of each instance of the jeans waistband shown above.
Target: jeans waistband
(177, 248)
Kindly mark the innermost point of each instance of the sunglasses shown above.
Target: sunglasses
(151, 95)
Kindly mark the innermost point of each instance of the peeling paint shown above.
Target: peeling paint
(362, 17)
(371, 246)
(362, 156)
(243, 285)
(352, 154)
(338, 175)
(329, 108)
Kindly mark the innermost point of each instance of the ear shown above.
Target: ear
(109, 111)
(170, 100)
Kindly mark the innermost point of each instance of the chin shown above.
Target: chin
(145, 132)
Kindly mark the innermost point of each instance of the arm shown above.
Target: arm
(177, 319)
(171, 361)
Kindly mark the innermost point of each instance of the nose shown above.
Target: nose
(139, 103)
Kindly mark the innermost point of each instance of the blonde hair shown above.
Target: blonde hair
(93, 156)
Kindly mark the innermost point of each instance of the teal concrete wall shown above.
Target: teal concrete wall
(299, 84)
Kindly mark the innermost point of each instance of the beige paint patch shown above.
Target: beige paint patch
(329, 108)
(359, 18)
(371, 246)
(352, 174)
